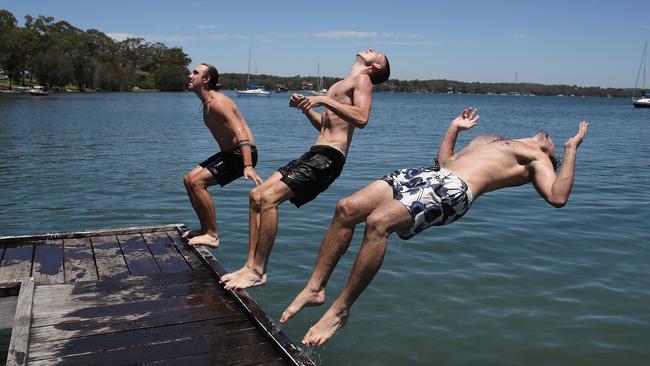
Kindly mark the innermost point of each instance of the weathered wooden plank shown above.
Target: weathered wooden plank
(137, 339)
(278, 339)
(185, 250)
(69, 298)
(48, 262)
(17, 263)
(137, 255)
(166, 253)
(160, 317)
(221, 351)
(19, 239)
(82, 289)
(135, 309)
(109, 258)
(79, 260)
(19, 343)
(138, 305)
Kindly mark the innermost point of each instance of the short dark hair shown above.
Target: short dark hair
(213, 74)
(382, 74)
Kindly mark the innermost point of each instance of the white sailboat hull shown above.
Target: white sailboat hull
(253, 93)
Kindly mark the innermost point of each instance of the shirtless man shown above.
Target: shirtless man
(238, 155)
(410, 200)
(347, 106)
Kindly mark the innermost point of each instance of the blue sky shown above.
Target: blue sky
(587, 43)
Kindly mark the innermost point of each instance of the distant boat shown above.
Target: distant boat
(319, 88)
(255, 90)
(38, 91)
(643, 100)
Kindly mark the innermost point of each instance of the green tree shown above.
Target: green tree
(171, 78)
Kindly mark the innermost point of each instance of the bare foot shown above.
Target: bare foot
(190, 234)
(243, 278)
(326, 327)
(306, 297)
(205, 239)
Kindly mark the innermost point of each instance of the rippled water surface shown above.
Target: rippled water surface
(515, 282)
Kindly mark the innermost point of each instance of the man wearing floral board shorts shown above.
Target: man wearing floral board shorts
(408, 201)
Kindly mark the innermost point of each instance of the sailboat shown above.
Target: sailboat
(643, 100)
(319, 88)
(251, 88)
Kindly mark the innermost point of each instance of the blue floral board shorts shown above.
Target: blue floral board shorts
(434, 197)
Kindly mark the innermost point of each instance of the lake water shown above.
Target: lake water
(515, 282)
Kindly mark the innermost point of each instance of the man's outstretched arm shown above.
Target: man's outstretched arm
(313, 116)
(557, 189)
(468, 119)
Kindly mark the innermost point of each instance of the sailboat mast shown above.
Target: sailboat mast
(248, 72)
(642, 65)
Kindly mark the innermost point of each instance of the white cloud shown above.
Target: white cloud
(344, 34)
(207, 26)
(118, 36)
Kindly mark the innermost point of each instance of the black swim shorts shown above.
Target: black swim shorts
(227, 166)
(312, 173)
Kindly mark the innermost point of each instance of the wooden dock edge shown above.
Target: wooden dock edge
(279, 340)
(19, 344)
(80, 234)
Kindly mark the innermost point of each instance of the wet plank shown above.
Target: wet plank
(101, 288)
(48, 262)
(150, 319)
(17, 262)
(185, 250)
(137, 338)
(137, 255)
(66, 297)
(166, 253)
(19, 343)
(79, 260)
(248, 349)
(108, 256)
(277, 338)
(116, 310)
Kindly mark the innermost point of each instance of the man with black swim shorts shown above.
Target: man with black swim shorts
(408, 201)
(346, 107)
(237, 158)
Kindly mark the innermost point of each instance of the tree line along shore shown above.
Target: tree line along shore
(61, 57)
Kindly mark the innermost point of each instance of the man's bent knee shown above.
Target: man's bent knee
(346, 209)
(377, 224)
(255, 198)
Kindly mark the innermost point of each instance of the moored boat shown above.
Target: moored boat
(38, 91)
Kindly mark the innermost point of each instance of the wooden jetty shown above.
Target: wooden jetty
(130, 296)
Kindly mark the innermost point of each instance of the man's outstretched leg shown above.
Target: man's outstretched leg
(264, 201)
(196, 183)
(382, 221)
(349, 212)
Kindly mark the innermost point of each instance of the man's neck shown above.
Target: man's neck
(358, 67)
(203, 94)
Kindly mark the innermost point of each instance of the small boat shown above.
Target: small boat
(643, 100)
(319, 89)
(255, 90)
(38, 91)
